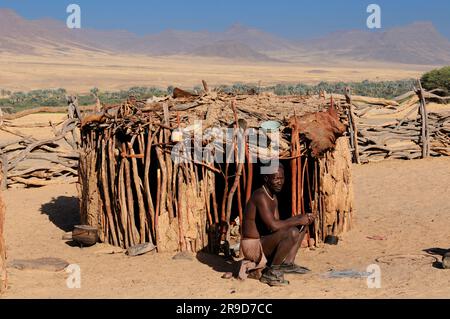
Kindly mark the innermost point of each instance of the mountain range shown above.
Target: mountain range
(417, 43)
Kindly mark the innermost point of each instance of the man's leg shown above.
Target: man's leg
(282, 242)
(290, 259)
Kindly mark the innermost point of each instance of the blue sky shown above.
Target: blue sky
(288, 18)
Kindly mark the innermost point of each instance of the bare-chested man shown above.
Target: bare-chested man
(265, 236)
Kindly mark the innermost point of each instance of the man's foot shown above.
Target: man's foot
(446, 261)
(291, 268)
(255, 274)
(273, 277)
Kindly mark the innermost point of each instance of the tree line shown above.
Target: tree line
(435, 79)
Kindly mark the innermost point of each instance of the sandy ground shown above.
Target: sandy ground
(24, 125)
(80, 72)
(408, 203)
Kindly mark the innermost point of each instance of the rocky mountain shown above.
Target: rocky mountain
(418, 43)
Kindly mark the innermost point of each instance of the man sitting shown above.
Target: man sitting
(265, 236)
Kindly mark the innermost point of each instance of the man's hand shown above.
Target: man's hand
(307, 219)
(312, 217)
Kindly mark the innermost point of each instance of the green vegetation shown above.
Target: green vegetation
(57, 97)
(384, 89)
(19, 101)
(437, 79)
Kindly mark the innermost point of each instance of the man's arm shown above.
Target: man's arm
(274, 224)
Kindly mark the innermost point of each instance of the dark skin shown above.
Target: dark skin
(285, 238)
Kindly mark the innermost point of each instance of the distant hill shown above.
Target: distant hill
(418, 43)
(231, 50)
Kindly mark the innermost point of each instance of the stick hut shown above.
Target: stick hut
(134, 191)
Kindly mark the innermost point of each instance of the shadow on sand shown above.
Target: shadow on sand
(63, 211)
(219, 263)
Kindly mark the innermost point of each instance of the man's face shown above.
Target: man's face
(276, 181)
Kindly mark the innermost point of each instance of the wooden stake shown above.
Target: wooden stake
(248, 190)
(302, 172)
(205, 86)
(214, 200)
(294, 172)
(168, 164)
(299, 181)
(158, 203)
(112, 179)
(425, 136)
(232, 191)
(123, 204)
(134, 234)
(140, 199)
(352, 122)
(148, 194)
(107, 200)
(206, 194)
(181, 238)
(162, 165)
(3, 275)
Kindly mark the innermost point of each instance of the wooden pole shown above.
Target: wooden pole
(3, 276)
(214, 200)
(158, 203)
(181, 239)
(133, 232)
(303, 170)
(111, 160)
(294, 138)
(248, 185)
(352, 120)
(162, 195)
(425, 135)
(168, 162)
(240, 161)
(123, 204)
(148, 194)
(140, 199)
(205, 86)
(237, 179)
(300, 209)
(106, 196)
(239, 168)
(207, 194)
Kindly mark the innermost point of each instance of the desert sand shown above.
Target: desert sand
(81, 72)
(405, 202)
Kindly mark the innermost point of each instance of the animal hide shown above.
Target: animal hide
(322, 129)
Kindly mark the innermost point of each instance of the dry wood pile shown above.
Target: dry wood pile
(401, 128)
(31, 161)
(3, 281)
(402, 139)
(134, 191)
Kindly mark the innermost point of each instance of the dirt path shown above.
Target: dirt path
(406, 202)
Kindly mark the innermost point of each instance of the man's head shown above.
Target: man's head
(275, 181)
